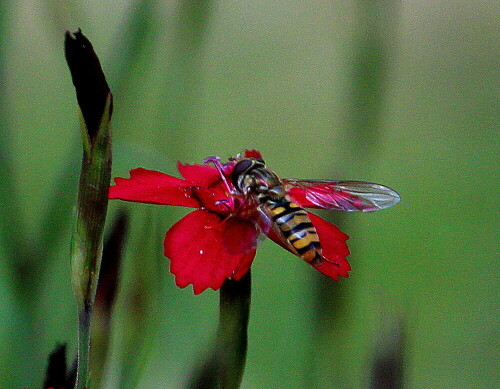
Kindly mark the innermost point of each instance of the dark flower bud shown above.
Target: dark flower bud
(90, 83)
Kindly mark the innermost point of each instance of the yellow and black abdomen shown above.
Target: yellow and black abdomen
(294, 226)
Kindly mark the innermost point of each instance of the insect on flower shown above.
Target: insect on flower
(238, 202)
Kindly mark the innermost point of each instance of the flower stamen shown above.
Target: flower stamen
(216, 161)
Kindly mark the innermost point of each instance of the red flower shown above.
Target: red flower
(219, 239)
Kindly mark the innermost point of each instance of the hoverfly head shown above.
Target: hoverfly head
(240, 176)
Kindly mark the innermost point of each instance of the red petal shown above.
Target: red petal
(149, 186)
(196, 252)
(214, 199)
(244, 266)
(253, 154)
(333, 244)
(208, 187)
(201, 175)
(239, 236)
(335, 250)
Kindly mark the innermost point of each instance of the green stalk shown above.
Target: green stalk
(86, 252)
(82, 374)
(224, 365)
(233, 331)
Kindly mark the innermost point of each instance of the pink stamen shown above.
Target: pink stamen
(216, 161)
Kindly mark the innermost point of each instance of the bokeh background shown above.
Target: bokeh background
(404, 93)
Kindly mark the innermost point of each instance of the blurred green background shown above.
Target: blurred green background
(404, 93)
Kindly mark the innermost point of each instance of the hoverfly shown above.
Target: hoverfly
(281, 201)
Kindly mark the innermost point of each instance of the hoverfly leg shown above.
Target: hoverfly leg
(225, 203)
(327, 260)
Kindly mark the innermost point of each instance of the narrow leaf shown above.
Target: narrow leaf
(106, 295)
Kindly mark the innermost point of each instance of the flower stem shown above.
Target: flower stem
(224, 365)
(82, 375)
(233, 330)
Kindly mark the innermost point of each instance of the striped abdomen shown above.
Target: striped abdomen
(295, 227)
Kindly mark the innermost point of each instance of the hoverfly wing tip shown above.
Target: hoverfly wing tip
(397, 197)
(390, 198)
(379, 197)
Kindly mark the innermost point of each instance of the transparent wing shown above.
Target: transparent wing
(341, 195)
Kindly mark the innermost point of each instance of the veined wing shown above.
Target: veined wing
(341, 195)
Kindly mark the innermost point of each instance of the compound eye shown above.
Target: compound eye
(241, 167)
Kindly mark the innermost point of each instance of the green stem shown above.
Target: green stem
(224, 365)
(82, 377)
(233, 331)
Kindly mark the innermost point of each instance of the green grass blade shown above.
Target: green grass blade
(12, 234)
